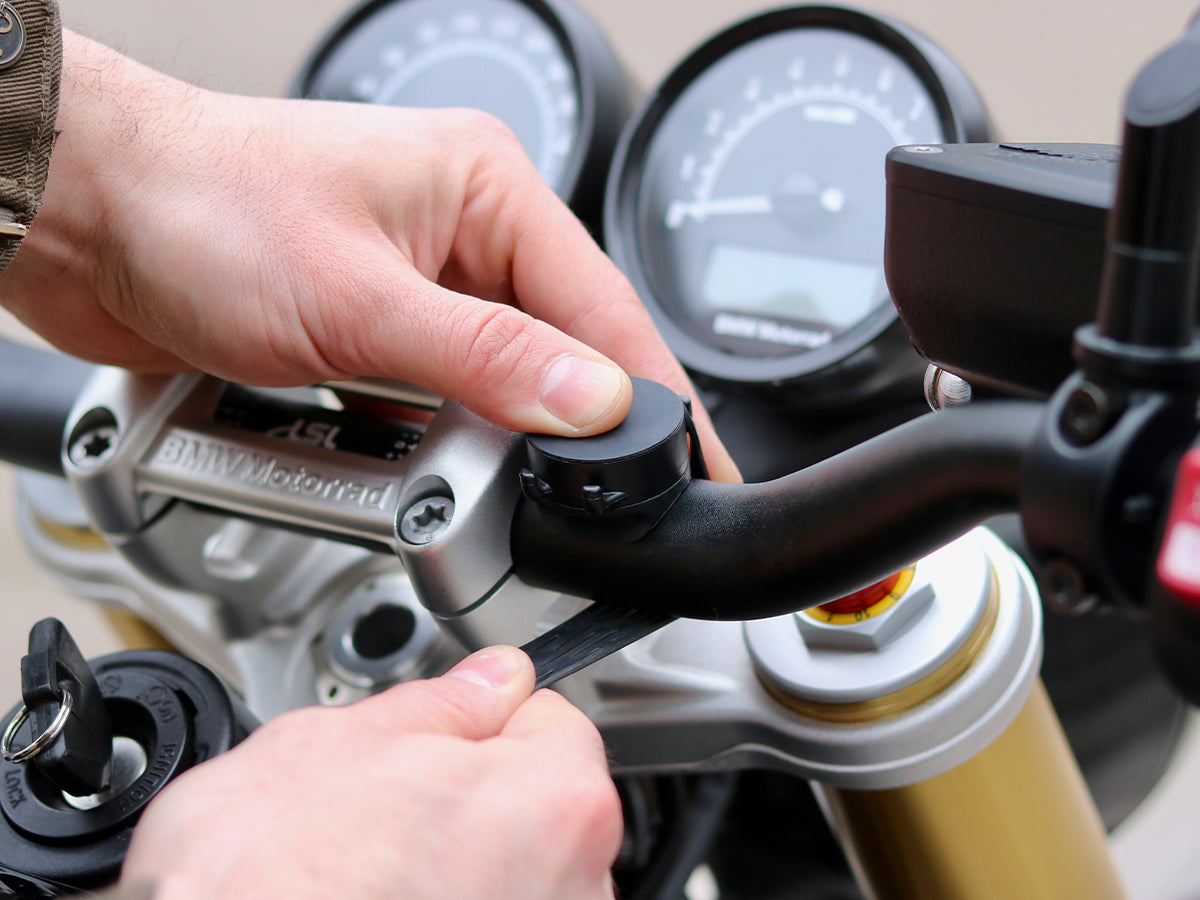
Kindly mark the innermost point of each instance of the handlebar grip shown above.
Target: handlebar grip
(37, 390)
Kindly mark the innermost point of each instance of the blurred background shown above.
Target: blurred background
(1049, 70)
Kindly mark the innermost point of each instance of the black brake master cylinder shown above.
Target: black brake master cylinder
(90, 747)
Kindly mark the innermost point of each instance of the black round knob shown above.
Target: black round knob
(640, 466)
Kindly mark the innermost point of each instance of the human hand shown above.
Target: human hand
(278, 242)
(457, 788)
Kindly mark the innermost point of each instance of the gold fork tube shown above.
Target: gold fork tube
(1016, 821)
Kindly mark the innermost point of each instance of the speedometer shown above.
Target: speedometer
(747, 197)
(540, 66)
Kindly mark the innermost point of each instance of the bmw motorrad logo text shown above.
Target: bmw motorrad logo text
(12, 34)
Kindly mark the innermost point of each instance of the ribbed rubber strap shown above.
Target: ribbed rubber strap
(30, 68)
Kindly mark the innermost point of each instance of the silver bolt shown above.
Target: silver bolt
(1064, 588)
(93, 447)
(923, 148)
(426, 519)
(945, 389)
(872, 633)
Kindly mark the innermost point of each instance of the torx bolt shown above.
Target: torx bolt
(93, 447)
(426, 519)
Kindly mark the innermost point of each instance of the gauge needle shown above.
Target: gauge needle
(830, 199)
(679, 210)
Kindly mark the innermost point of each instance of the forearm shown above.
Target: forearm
(113, 120)
(284, 242)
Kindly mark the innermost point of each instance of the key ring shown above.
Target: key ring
(43, 740)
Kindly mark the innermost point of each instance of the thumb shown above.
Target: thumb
(513, 369)
(474, 700)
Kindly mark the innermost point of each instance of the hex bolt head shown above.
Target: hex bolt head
(93, 447)
(1064, 588)
(1087, 414)
(425, 520)
(872, 633)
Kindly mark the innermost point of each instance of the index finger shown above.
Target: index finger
(560, 275)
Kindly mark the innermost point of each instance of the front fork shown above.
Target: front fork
(1013, 820)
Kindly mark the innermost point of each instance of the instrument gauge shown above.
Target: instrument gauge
(540, 66)
(746, 200)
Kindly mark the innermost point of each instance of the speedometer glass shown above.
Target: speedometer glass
(747, 200)
(540, 66)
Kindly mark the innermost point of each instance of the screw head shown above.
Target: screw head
(1064, 588)
(1087, 414)
(93, 447)
(873, 632)
(425, 520)
(945, 389)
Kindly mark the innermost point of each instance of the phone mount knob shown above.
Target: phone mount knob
(638, 468)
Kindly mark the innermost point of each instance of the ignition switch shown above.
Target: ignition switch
(92, 745)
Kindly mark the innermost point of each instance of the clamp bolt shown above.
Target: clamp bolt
(93, 447)
(425, 520)
(1088, 414)
(1064, 588)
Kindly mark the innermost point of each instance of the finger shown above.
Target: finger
(548, 718)
(721, 466)
(517, 369)
(512, 369)
(474, 700)
(560, 275)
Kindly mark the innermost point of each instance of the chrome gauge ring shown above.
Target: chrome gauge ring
(540, 66)
(746, 201)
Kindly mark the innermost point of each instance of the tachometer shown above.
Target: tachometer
(540, 66)
(746, 201)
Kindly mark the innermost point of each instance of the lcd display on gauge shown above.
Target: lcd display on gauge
(746, 201)
(540, 66)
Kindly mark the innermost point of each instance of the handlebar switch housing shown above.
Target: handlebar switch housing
(636, 470)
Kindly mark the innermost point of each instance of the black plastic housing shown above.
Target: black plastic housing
(176, 709)
(639, 467)
(994, 252)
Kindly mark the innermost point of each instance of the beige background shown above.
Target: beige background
(1048, 69)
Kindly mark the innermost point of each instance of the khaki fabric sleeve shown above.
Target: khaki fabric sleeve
(30, 69)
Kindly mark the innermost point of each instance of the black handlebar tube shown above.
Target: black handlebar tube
(37, 390)
(733, 551)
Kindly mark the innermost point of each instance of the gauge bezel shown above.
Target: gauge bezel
(606, 92)
(960, 113)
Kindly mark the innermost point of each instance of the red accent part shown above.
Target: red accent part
(864, 599)
(1178, 565)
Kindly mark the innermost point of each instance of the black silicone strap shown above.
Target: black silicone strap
(30, 68)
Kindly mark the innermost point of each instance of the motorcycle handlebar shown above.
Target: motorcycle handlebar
(39, 389)
(740, 551)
